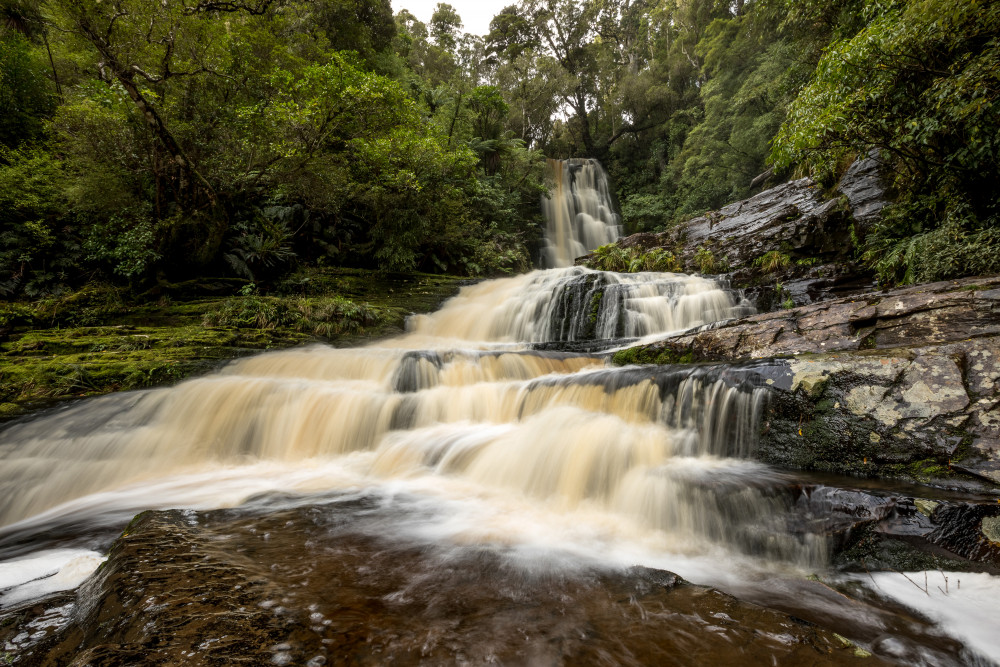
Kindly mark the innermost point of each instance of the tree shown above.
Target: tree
(921, 86)
(26, 97)
(445, 26)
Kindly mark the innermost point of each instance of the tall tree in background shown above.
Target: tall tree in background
(445, 26)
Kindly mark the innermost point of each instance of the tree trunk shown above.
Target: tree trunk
(187, 193)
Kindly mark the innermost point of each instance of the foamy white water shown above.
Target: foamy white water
(965, 604)
(44, 573)
(579, 211)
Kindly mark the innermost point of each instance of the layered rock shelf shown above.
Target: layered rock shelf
(873, 384)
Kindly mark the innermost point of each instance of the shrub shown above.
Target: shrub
(773, 261)
(705, 261)
(613, 257)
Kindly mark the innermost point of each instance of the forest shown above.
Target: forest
(147, 143)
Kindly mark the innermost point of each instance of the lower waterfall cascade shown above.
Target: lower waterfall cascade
(472, 436)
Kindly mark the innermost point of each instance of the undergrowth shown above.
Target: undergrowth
(613, 257)
(329, 316)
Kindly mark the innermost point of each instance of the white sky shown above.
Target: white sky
(476, 14)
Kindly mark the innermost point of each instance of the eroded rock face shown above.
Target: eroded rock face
(794, 217)
(794, 213)
(879, 382)
(813, 230)
(865, 190)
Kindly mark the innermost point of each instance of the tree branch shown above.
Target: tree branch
(256, 8)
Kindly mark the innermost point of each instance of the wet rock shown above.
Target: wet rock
(865, 189)
(795, 218)
(907, 415)
(310, 586)
(889, 530)
(968, 530)
(878, 383)
(919, 315)
(745, 229)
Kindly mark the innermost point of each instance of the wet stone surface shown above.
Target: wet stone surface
(810, 228)
(879, 382)
(305, 586)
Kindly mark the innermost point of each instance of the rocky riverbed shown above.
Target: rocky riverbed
(327, 581)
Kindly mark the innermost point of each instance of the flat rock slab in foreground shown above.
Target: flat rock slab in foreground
(877, 383)
(305, 586)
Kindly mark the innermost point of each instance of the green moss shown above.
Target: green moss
(134, 523)
(144, 344)
(651, 355)
(85, 362)
(928, 470)
(825, 405)
(10, 410)
(595, 306)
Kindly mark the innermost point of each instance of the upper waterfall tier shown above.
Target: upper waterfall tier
(578, 304)
(579, 212)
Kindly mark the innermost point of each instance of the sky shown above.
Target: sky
(476, 14)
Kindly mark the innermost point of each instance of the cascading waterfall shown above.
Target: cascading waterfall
(458, 398)
(465, 404)
(579, 212)
(640, 442)
(578, 304)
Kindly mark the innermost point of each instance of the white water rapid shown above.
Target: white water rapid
(460, 399)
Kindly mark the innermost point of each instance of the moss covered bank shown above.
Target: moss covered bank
(101, 339)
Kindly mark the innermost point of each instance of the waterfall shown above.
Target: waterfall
(663, 447)
(460, 402)
(578, 304)
(579, 212)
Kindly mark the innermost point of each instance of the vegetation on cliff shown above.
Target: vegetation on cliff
(147, 143)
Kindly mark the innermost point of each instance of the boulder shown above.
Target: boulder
(318, 585)
(899, 528)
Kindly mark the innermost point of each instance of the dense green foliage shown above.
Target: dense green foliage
(679, 98)
(688, 101)
(145, 143)
(331, 316)
(920, 84)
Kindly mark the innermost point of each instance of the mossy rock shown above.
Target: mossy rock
(652, 355)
